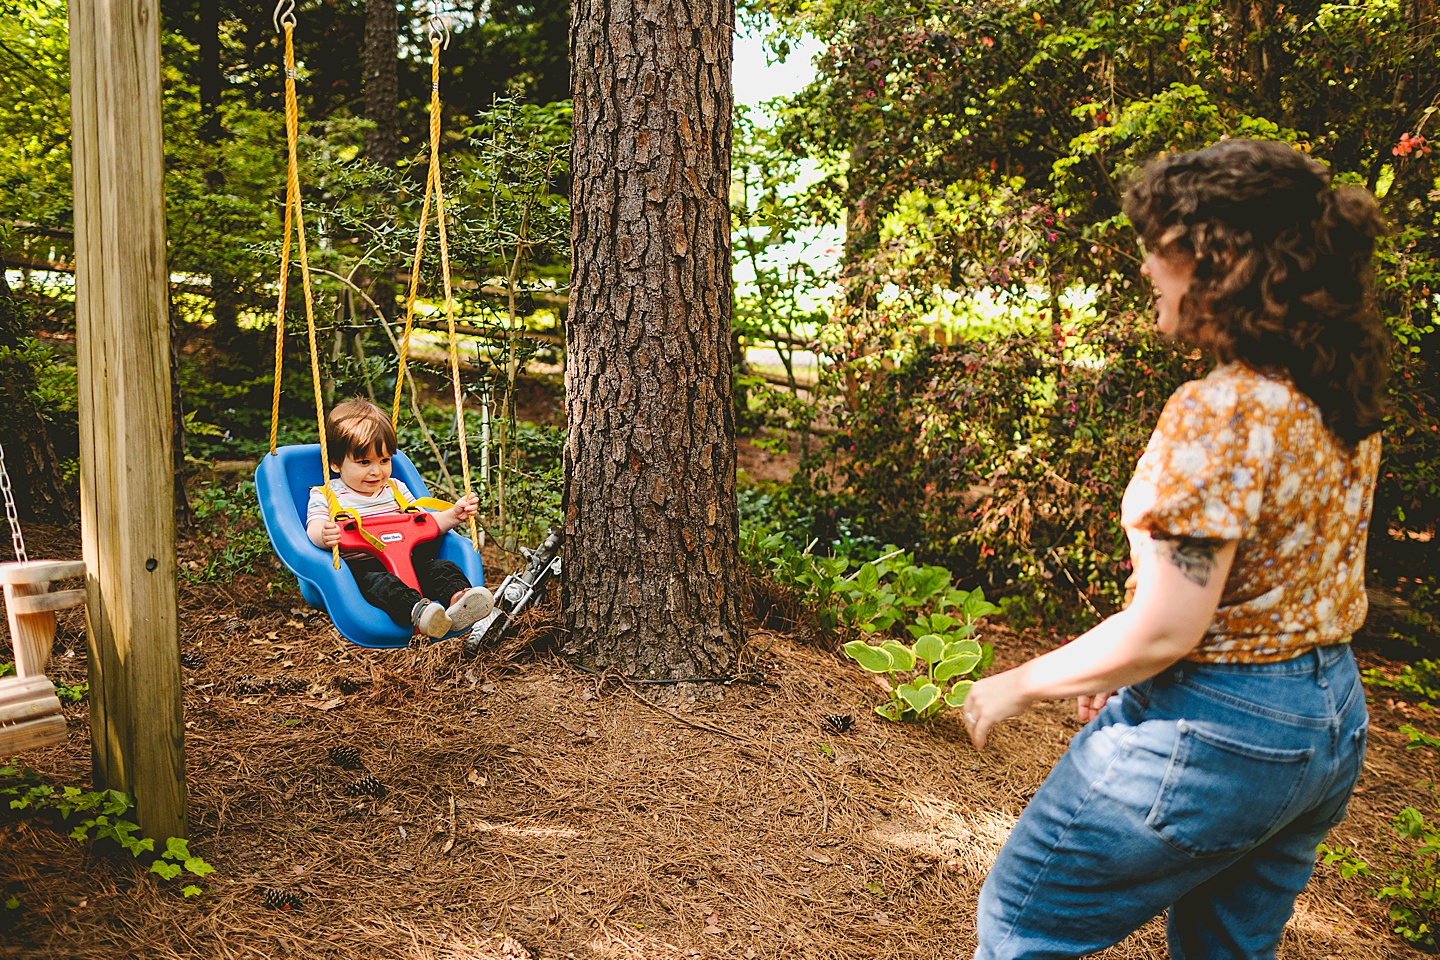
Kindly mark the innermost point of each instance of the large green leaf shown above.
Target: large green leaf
(920, 698)
(868, 578)
(955, 666)
(900, 655)
(871, 658)
(931, 648)
(957, 647)
(958, 693)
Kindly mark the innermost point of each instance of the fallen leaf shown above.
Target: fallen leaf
(475, 779)
(817, 856)
(326, 705)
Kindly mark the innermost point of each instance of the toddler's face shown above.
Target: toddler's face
(365, 471)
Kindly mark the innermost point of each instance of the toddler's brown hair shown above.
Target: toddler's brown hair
(358, 427)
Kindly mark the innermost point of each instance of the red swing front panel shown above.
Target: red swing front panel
(400, 533)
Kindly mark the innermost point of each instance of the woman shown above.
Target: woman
(1206, 784)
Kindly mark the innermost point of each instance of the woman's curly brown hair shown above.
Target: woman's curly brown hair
(1282, 269)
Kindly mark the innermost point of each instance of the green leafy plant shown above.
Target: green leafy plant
(936, 671)
(97, 815)
(1420, 679)
(177, 859)
(1413, 886)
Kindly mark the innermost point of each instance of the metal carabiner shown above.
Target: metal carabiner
(284, 14)
(438, 27)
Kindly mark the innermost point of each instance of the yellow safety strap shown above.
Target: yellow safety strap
(430, 503)
(433, 188)
(294, 213)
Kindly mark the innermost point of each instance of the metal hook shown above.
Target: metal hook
(438, 27)
(284, 14)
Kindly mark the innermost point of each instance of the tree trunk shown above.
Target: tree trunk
(211, 77)
(382, 91)
(382, 94)
(651, 525)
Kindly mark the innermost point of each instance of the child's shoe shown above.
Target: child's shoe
(472, 605)
(430, 619)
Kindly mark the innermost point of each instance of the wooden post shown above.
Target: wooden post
(123, 347)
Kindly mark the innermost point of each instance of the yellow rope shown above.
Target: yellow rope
(280, 316)
(433, 187)
(432, 177)
(293, 206)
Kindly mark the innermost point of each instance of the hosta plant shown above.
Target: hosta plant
(935, 672)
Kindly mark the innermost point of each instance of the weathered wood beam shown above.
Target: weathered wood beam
(123, 359)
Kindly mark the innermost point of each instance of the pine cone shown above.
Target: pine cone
(280, 899)
(288, 684)
(366, 786)
(840, 723)
(346, 684)
(251, 684)
(248, 611)
(345, 756)
(192, 661)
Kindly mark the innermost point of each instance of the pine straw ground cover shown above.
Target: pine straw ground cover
(532, 810)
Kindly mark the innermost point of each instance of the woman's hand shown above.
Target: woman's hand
(992, 700)
(1088, 707)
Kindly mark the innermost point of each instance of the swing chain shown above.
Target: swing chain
(17, 538)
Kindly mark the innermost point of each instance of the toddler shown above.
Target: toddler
(361, 442)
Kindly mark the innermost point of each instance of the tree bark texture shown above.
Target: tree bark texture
(651, 525)
(382, 90)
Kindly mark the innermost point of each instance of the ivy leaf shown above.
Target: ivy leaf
(190, 890)
(177, 848)
(167, 870)
(198, 866)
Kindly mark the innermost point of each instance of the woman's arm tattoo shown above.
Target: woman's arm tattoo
(1195, 559)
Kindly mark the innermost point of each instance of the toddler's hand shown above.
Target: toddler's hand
(466, 507)
(329, 533)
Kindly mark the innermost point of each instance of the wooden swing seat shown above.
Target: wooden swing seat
(30, 714)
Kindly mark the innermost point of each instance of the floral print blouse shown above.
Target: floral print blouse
(1242, 455)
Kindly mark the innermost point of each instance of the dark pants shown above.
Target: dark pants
(439, 579)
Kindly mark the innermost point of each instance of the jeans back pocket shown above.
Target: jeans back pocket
(1220, 796)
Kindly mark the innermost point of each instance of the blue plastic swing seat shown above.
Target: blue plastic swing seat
(282, 485)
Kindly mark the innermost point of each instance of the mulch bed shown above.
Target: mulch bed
(532, 810)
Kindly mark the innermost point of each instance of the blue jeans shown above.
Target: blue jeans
(1205, 789)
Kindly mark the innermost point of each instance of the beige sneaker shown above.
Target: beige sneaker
(474, 604)
(431, 620)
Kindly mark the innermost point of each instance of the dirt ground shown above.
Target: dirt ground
(534, 810)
